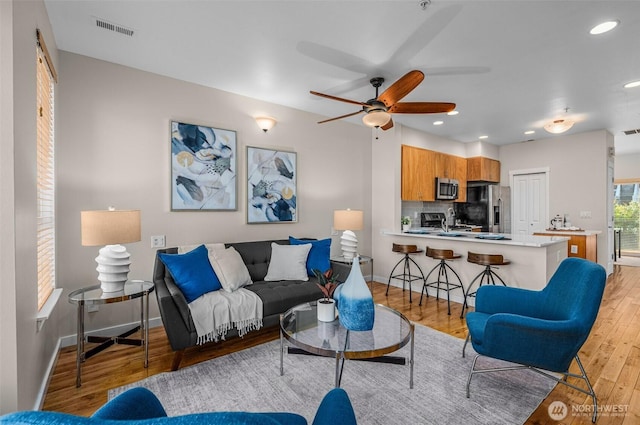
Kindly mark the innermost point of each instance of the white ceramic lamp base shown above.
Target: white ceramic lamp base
(349, 244)
(113, 267)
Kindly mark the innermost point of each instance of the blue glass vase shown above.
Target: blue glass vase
(356, 310)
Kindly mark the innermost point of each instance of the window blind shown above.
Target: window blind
(45, 174)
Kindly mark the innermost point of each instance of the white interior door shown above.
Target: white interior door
(529, 195)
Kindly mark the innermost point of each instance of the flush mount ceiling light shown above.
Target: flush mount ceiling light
(483, 137)
(529, 132)
(376, 118)
(265, 123)
(558, 126)
(438, 122)
(604, 27)
(632, 84)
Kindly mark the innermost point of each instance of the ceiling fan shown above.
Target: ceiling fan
(379, 109)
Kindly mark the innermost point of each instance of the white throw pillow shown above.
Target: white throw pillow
(288, 262)
(230, 269)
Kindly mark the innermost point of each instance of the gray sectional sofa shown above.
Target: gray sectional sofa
(277, 297)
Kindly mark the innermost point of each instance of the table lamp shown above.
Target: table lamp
(348, 220)
(111, 228)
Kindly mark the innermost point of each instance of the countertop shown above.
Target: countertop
(569, 232)
(486, 238)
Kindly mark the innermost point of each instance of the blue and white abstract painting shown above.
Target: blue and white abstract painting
(271, 186)
(203, 168)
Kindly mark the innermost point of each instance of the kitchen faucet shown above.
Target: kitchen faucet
(448, 217)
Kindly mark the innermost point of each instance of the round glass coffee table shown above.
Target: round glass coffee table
(391, 331)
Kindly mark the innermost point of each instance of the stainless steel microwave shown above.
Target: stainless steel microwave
(446, 188)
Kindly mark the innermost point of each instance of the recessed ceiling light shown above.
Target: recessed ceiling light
(632, 84)
(529, 132)
(604, 27)
(438, 122)
(483, 137)
(453, 113)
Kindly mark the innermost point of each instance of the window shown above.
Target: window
(45, 173)
(626, 217)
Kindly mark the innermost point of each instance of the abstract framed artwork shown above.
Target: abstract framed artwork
(271, 186)
(203, 168)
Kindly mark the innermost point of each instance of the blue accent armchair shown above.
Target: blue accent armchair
(539, 329)
(139, 406)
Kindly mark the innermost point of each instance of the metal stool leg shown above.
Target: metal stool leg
(391, 274)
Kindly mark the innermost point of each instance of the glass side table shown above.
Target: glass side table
(363, 260)
(93, 295)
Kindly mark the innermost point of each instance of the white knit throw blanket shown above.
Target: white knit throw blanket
(214, 313)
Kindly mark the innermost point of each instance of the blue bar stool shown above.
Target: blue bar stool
(443, 269)
(406, 276)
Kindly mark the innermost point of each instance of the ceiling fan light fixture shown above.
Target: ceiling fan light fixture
(376, 118)
(558, 126)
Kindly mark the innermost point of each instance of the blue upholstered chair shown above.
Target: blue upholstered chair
(541, 330)
(139, 406)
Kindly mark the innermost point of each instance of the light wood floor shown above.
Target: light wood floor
(611, 356)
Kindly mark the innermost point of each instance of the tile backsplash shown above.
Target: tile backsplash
(414, 208)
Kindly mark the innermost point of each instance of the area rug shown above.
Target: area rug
(250, 380)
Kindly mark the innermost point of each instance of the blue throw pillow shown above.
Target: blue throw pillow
(192, 272)
(318, 256)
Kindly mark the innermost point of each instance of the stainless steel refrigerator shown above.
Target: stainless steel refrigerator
(487, 205)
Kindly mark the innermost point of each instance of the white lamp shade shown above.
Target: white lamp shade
(348, 219)
(109, 227)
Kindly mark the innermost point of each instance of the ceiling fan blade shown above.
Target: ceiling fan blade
(388, 125)
(422, 107)
(401, 88)
(340, 99)
(340, 117)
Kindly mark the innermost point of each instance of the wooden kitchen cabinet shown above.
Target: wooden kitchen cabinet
(418, 174)
(480, 168)
(420, 167)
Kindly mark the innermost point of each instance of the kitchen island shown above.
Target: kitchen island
(533, 259)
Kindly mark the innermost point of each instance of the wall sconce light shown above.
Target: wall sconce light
(558, 126)
(265, 123)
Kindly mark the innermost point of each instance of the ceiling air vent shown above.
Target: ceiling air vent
(110, 26)
(630, 132)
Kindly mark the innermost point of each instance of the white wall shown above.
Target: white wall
(627, 166)
(386, 182)
(25, 353)
(113, 148)
(577, 176)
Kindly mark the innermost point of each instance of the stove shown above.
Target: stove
(431, 219)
